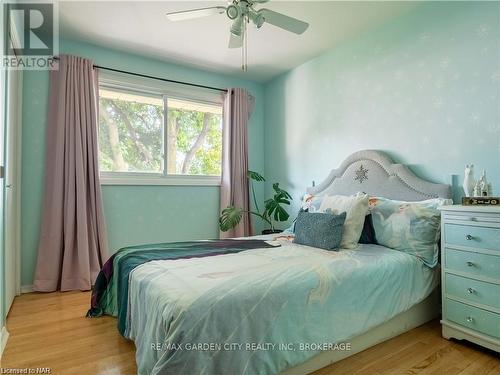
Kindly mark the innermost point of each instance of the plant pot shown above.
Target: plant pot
(271, 231)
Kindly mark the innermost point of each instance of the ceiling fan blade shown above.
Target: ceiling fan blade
(235, 41)
(195, 13)
(285, 22)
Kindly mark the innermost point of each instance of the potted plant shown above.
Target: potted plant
(273, 208)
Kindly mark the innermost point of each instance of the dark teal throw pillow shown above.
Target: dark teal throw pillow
(323, 230)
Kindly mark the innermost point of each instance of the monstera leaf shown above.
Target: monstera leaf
(255, 176)
(278, 190)
(273, 208)
(230, 217)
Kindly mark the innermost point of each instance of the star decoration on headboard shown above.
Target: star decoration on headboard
(361, 174)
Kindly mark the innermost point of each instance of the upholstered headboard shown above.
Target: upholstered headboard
(376, 174)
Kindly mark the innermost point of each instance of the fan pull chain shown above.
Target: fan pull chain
(244, 50)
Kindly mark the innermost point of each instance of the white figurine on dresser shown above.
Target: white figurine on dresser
(469, 181)
(473, 188)
(483, 188)
(470, 255)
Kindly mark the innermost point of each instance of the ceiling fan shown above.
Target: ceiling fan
(242, 12)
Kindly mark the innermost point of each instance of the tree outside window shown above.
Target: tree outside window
(157, 134)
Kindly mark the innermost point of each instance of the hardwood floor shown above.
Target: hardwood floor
(50, 330)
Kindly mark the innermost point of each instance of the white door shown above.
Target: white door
(2, 123)
(12, 186)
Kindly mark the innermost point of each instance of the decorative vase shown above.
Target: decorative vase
(469, 182)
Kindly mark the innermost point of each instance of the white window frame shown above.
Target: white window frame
(166, 90)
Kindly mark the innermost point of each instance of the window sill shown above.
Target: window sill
(173, 180)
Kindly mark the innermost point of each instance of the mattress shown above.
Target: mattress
(263, 311)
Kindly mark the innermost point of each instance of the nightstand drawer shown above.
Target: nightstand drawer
(471, 290)
(475, 264)
(471, 317)
(471, 217)
(472, 236)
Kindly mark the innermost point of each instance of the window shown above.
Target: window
(158, 138)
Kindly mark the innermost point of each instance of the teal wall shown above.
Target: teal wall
(424, 87)
(134, 214)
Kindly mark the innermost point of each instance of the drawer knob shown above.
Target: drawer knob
(470, 319)
(473, 218)
(468, 237)
(470, 290)
(470, 264)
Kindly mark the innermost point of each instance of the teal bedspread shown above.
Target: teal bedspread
(265, 310)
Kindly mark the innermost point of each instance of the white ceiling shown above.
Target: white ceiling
(141, 27)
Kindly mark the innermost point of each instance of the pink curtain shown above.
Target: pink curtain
(238, 105)
(73, 241)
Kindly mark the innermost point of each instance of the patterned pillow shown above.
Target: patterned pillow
(311, 203)
(411, 227)
(319, 229)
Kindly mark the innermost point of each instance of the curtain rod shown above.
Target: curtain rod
(153, 77)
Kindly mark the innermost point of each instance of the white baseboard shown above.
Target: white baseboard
(4, 336)
(26, 289)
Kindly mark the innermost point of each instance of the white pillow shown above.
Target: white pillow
(356, 208)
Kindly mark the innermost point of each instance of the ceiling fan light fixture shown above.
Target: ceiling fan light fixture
(236, 27)
(257, 18)
(233, 12)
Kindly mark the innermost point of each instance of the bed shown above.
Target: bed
(264, 305)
